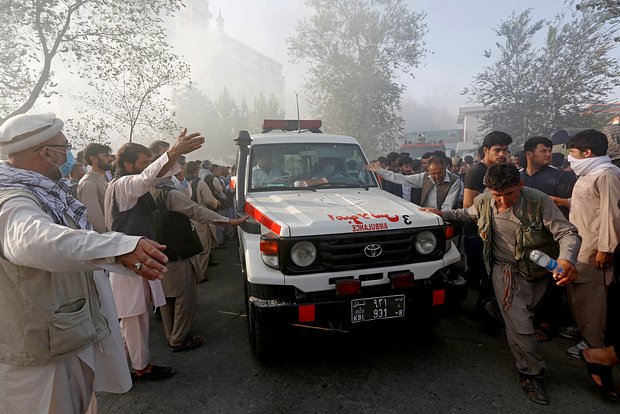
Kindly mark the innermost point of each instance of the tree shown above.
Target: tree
(357, 49)
(133, 96)
(261, 110)
(534, 91)
(83, 34)
(608, 9)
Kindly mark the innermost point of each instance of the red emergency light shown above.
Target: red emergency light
(292, 125)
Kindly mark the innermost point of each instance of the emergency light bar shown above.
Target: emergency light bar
(312, 125)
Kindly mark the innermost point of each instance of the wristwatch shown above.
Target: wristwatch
(111, 260)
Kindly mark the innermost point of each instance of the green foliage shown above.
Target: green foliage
(357, 49)
(610, 7)
(87, 36)
(221, 120)
(132, 98)
(534, 91)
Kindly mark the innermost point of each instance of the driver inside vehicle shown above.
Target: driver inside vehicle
(264, 171)
(328, 169)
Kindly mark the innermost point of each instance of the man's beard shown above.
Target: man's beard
(103, 166)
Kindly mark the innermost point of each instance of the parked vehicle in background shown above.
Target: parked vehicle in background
(417, 150)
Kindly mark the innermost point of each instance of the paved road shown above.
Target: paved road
(458, 369)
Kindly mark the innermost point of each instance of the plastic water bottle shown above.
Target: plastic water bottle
(545, 261)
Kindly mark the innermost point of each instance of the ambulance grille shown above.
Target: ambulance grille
(342, 252)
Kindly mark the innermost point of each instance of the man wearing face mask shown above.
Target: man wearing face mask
(55, 342)
(593, 209)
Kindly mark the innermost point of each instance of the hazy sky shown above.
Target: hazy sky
(458, 33)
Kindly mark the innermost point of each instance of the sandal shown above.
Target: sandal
(188, 343)
(604, 372)
(156, 373)
(534, 389)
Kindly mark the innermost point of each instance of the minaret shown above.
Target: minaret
(220, 21)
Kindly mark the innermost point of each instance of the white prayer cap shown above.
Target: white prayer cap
(21, 132)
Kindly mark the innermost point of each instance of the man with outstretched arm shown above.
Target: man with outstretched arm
(512, 221)
(55, 344)
(128, 205)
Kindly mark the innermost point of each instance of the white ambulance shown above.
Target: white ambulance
(324, 245)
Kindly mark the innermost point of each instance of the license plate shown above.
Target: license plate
(372, 309)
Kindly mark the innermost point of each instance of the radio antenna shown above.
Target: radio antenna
(298, 118)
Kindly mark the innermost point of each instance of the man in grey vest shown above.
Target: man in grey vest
(55, 343)
(440, 188)
(512, 221)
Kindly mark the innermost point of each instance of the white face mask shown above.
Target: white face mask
(591, 165)
(575, 163)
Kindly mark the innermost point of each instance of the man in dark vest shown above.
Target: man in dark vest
(128, 205)
(172, 226)
(512, 221)
(439, 188)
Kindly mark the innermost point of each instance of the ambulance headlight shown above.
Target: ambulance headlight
(425, 242)
(303, 253)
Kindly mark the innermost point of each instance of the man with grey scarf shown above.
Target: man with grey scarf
(54, 328)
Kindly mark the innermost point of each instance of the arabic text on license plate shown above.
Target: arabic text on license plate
(371, 309)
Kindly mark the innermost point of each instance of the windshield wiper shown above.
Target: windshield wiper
(337, 185)
(279, 188)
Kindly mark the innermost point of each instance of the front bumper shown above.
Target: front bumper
(424, 299)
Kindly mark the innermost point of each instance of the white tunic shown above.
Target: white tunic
(126, 190)
(57, 248)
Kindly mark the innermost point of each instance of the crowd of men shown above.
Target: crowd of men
(85, 245)
(511, 205)
(80, 271)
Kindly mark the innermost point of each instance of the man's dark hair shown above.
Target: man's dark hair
(426, 155)
(480, 152)
(94, 149)
(382, 160)
(130, 152)
(416, 165)
(521, 158)
(557, 159)
(79, 157)
(157, 146)
(590, 139)
(437, 160)
(405, 161)
(468, 159)
(496, 138)
(501, 176)
(392, 156)
(531, 144)
(191, 169)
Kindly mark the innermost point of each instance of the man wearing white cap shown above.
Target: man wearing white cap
(55, 342)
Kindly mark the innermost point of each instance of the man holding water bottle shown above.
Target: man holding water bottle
(512, 221)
